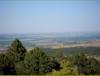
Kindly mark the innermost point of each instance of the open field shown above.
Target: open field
(95, 43)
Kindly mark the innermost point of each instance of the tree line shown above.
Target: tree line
(18, 61)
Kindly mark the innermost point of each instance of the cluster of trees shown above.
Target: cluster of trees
(17, 60)
(86, 65)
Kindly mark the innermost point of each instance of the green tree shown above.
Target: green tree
(20, 68)
(80, 60)
(6, 67)
(16, 52)
(36, 62)
(86, 65)
(93, 66)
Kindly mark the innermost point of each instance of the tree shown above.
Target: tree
(86, 65)
(16, 52)
(20, 68)
(80, 60)
(93, 66)
(37, 62)
(6, 67)
(66, 68)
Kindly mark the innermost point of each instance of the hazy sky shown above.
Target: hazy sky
(49, 16)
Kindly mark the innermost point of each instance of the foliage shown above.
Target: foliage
(17, 60)
(93, 66)
(86, 65)
(20, 69)
(66, 68)
(36, 62)
(57, 55)
(16, 52)
(6, 67)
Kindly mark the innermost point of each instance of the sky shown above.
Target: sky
(49, 16)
